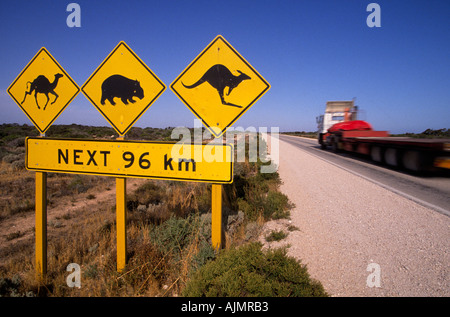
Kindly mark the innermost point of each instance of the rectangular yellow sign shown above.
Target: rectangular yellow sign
(212, 163)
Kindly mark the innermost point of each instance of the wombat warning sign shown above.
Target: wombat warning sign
(122, 88)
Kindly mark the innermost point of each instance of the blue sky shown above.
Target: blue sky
(310, 51)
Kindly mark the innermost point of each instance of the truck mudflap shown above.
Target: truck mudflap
(442, 162)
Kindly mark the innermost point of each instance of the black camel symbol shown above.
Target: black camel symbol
(219, 77)
(42, 85)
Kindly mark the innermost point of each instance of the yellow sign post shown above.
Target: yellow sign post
(41, 225)
(216, 216)
(121, 220)
(43, 90)
(219, 86)
(122, 88)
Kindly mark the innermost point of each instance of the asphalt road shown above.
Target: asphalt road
(431, 190)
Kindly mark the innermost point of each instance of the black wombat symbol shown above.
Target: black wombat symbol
(121, 87)
(219, 77)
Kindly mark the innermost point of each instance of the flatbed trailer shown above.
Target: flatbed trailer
(340, 129)
(404, 152)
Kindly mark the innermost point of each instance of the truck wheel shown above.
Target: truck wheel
(413, 161)
(334, 145)
(323, 146)
(392, 157)
(375, 154)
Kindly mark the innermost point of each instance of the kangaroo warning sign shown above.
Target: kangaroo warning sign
(43, 90)
(219, 86)
(120, 158)
(122, 88)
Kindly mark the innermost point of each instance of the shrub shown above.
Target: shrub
(176, 235)
(276, 206)
(79, 184)
(248, 271)
(9, 158)
(256, 194)
(14, 235)
(276, 236)
(271, 205)
(19, 206)
(18, 165)
(149, 193)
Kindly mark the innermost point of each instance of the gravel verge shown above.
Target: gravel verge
(347, 227)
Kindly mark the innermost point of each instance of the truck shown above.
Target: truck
(340, 130)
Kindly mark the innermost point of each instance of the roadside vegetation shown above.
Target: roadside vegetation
(250, 271)
(312, 135)
(168, 227)
(427, 134)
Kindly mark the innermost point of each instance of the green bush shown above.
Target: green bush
(249, 271)
(276, 206)
(176, 235)
(276, 236)
(79, 184)
(271, 205)
(149, 193)
(256, 193)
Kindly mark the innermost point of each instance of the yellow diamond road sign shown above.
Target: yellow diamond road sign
(219, 86)
(43, 90)
(122, 88)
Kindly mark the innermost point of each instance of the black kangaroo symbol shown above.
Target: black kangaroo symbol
(219, 77)
(42, 85)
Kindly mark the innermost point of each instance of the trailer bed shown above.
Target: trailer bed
(430, 144)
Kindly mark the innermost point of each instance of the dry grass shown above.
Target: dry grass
(168, 230)
(88, 237)
(13, 184)
(166, 242)
(17, 188)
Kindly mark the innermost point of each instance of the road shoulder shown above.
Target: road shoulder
(345, 223)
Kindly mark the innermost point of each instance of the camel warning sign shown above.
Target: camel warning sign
(43, 90)
(219, 86)
(122, 88)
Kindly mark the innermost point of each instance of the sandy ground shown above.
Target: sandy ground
(25, 223)
(353, 234)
